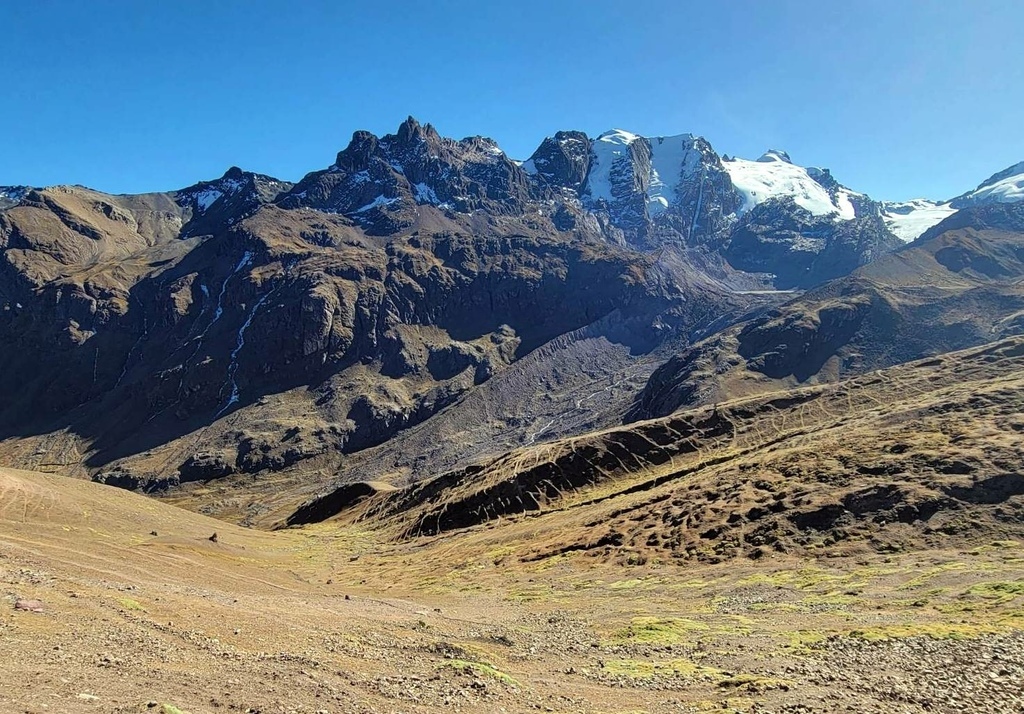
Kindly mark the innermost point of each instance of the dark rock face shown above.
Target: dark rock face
(216, 205)
(802, 250)
(562, 160)
(706, 200)
(379, 182)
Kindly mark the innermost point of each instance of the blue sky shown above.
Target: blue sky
(900, 98)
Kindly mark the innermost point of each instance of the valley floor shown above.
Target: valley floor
(142, 611)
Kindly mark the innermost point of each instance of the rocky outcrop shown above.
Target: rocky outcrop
(379, 182)
(562, 161)
(214, 206)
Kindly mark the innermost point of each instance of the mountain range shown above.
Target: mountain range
(270, 352)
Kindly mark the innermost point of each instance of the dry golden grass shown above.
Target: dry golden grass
(335, 617)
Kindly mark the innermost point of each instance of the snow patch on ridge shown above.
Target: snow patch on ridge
(425, 194)
(381, 200)
(207, 197)
(208, 194)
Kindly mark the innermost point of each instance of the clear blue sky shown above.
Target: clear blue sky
(900, 98)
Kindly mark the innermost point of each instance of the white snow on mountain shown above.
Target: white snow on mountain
(424, 194)
(381, 200)
(909, 219)
(492, 148)
(13, 194)
(846, 210)
(211, 192)
(672, 157)
(207, 197)
(610, 150)
(529, 166)
(773, 176)
(1007, 186)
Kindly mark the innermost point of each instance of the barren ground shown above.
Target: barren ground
(142, 612)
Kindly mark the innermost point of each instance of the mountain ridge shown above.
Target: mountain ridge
(247, 328)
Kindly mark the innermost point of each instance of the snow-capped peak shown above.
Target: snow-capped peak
(775, 155)
(672, 158)
(612, 163)
(1007, 186)
(774, 175)
(618, 137)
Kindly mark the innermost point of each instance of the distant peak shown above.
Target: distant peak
(775, 155)
(675, 138)
(356, 155)
(1015, 170)
(1007, 186)
(618, 136)
(570, 135)
(411, 130)
(408, 128)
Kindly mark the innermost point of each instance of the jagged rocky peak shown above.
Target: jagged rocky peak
(356, 156)
(234, 186)
(412, 132)
(562, 160)
(380, 182)
(637, 178)
(419, 144)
